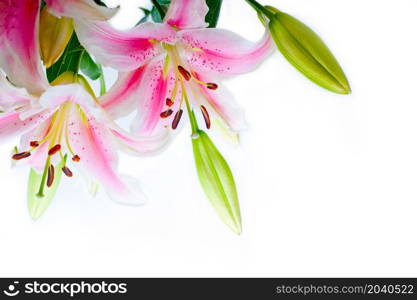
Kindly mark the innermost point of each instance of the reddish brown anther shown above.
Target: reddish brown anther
(19, 156)
(34, 144)
(51, 176)
(76, 158)
(212, 86)
(166, 114)
(67, 171)
(206, 116)
(169, 102)
(184, 73)
(177, 119)
(54, 149)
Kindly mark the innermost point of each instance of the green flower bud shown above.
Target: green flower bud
(304, 49)
(217, 180)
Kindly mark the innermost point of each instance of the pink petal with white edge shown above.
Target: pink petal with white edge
(55, 96)
(12, 97)
(222, 103)
(11, 124)
(19, 46)
(221, 51)
(87, 9)
(155, 88)
(121, 99)
(141, 146)
(187, 14)
(123, 50)
(95, 145)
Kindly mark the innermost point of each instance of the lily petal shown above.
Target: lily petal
(187, 14)
(55, 96)
(141, 145)
(94, 143)
(123, 50)
(154, 90)
(87, 9)
(121, 99)
(19, 45)
(222, 103)
(220, 51)
(12, 97)
(11, 124)
(39, 156)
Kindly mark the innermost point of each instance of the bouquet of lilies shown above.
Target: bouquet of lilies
(170, 69)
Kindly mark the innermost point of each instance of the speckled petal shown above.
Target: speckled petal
(223, 52)
(123, 50)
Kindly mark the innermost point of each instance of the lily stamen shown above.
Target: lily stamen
(209, 85)
(212, 86)
(55, 149)
(51, 176)
(177, 119)
(184, 73)
(34, 144)
(76, 158)
(166, 114)
(169, 102)
(19, 156)
(206, 116)
(67, 171)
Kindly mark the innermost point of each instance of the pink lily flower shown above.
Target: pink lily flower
(19, 41)
(168, 65)
(62, 120)
(66, 120)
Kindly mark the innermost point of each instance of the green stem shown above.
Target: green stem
(102, 81)
(191, 115)
(41, 194)
(159, 8)
(260, 8)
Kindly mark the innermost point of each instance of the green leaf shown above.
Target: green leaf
(146, 12)
(304, 49)
(69, 61)
(101, 3)
(38, 205)
(214, 12)
(89, 67)
(156, 15)
(217, 181)
(102, 82)
(159, 9)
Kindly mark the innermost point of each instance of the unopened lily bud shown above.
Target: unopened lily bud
(217, 180)
(304, 49)
(54, 35)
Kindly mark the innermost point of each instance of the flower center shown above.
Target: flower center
(185, 79)
(56, 135)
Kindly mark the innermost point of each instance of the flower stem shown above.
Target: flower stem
(260, 8)
(102, 81)
(41, 194)
(191, 115)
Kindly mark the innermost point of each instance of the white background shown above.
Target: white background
(328, 183)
